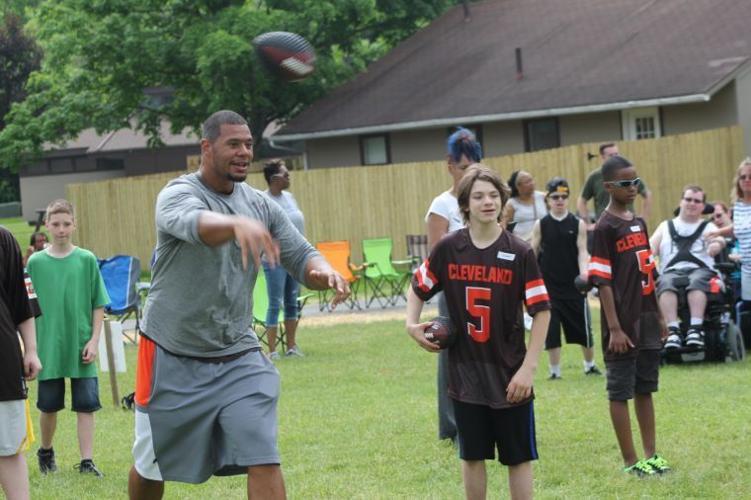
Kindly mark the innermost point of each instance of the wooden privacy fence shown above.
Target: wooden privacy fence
(117, 216)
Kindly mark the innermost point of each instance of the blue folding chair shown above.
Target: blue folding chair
(121, 274)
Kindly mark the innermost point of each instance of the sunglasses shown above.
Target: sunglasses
(693, 200)
(625, 184)
(286, 176)
(717, 216)
(559, 197)
(744, 177)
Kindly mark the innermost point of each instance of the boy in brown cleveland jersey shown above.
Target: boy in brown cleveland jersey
(487, 274)
(632, 326)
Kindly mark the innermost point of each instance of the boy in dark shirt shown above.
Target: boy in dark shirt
(18, 308)
(486, 275)
(632, 327)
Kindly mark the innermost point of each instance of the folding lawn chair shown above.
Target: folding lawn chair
(338, 253)
(386, 281)
(261, 307)
(121, 274)
(417, 250)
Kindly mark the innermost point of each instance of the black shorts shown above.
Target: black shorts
(573, 315)
(639, 375)
(482, 429)
(84, 395)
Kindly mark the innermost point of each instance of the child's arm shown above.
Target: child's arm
(415, 329)
(31, 364)
(92, 346)
(582, 253)
(536, 237)
(619, 341)
(520, 386)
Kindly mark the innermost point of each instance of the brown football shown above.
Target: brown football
(287, 55)
(440, 332)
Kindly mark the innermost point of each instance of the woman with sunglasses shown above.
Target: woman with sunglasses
(525, 206)
(282, 288)
(741, 227)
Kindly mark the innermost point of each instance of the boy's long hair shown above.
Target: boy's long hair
(479, 172)
(59, 207)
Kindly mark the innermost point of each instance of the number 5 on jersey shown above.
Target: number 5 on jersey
(480, 311)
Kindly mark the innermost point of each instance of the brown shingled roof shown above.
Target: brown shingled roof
(575, 53)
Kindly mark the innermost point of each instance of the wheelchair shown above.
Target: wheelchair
(723, 340)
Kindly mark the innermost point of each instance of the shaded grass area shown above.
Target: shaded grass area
(358, 420)
(20, 229)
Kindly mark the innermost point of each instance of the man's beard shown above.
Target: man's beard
(236, 177)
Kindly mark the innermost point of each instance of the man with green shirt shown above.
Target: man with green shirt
(594, 189)
(72, 297)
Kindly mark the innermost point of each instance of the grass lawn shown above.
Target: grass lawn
(20, 229)
(358, 420)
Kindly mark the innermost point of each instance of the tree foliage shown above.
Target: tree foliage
(100, 55)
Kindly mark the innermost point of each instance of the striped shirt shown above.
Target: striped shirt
(742, 230)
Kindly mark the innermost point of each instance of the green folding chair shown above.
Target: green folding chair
(384, 277)
(260, 308)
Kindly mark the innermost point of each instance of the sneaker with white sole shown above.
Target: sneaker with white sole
(695, 338)
(674, 340)
(295, 352)
(274, 356)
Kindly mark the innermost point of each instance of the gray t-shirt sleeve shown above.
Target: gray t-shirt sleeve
(178, 208)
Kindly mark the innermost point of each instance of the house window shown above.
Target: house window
(110, 163)
(641, 123)
(374, 149)
(541, 134)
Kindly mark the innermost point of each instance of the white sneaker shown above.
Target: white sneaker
(295, 351)
(274, 356)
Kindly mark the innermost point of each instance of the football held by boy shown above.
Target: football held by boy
(487, 275)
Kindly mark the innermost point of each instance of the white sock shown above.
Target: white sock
(588, 364)
(697, 322)
(555, 370)
(674, 324)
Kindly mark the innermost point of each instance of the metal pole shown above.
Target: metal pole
(111, 362)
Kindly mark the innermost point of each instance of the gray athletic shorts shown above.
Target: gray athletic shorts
(699, 278)
(196, 418)
(639, 375)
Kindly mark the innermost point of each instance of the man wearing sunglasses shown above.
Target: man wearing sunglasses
(560, 241)
(594, 190)
(684, 252)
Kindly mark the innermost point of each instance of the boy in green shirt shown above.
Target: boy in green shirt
(72, 297)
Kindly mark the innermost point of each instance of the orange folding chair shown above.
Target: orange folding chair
(338, 253)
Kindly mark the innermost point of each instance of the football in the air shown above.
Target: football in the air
(440, 332)
(287, 55)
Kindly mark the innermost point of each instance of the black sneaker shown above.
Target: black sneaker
(87, 467)
(593, 370)
(695, 338)
(554, 376)
(46, 460)
(674, 340)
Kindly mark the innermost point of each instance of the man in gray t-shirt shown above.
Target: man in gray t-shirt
(212, 229)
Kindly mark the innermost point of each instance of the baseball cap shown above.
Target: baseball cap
(557, 185)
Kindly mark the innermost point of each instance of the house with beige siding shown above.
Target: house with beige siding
(93, 157)
(535, 74)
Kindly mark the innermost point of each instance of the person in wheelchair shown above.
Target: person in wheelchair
(686, 256)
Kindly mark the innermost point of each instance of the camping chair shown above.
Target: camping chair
(337, 253)
(386, 282)
(417, 250)
(260, 308)
(120, 274)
